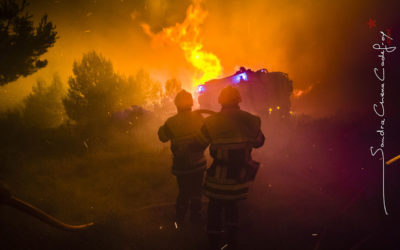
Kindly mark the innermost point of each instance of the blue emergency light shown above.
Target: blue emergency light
(237, 78)
(201, 88)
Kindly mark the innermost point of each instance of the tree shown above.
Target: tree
(143, 89)
(166, 106)
(95, 90)
(172, 87)
(44, 107)
(22, 44)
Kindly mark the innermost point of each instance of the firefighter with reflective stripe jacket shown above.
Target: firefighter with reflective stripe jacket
(188, 163)
(232, 134)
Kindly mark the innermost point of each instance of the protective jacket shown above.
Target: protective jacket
(187, 142)
(233, 134)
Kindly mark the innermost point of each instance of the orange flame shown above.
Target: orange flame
(187, 36)
(299, 92)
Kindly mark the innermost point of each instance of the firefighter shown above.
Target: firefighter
(188, 162)
(232, 134)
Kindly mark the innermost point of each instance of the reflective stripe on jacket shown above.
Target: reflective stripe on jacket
(232, 134)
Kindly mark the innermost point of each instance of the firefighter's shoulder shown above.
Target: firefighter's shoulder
(172, 118)
(187, 119)
(212, 118)
(197, 116)
(174, 121)
(252, 120)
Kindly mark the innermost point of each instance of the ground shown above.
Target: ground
(318, 188)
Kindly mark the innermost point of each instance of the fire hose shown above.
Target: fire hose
(7, 199)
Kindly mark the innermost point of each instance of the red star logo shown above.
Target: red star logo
(371, 23)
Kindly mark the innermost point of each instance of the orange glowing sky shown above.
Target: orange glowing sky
(320, 44)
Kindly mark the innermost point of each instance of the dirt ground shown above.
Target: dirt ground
(318, 188)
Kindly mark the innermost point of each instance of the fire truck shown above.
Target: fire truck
(264, 93)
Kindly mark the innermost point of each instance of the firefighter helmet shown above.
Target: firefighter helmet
(229, 96)
(183, 100)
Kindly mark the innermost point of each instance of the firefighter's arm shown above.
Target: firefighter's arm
(206, 135)
(164, 134)
(202, 140)
(260, 139)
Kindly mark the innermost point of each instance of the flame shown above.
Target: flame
(187, 36)
(299, 92)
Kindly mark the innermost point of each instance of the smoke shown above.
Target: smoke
(312, 41)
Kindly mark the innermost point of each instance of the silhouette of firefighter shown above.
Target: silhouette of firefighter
(232, 134)
(188, 164)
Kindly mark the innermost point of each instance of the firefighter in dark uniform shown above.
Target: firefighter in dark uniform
(232, 134)
(188, 163)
